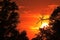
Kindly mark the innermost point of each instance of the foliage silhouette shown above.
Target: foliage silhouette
(23, 36)
(8, 21)
(56, 24)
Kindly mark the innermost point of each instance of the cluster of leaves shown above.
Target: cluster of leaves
(8, 21)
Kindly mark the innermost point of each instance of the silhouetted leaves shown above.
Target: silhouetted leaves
(23, 36)
(8, 22)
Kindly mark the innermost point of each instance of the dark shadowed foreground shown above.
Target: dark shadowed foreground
(8, 21)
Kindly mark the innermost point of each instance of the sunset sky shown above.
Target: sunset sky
(31, 10)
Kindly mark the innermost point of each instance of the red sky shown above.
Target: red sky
(30, 10)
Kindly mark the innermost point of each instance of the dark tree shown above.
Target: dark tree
(56, 24)
(8, 21)
(23, 36)
(53, 32)
(55, 13)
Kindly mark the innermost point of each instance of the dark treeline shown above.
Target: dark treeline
(53, 32)
(9, 20)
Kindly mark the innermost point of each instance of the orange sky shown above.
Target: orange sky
(30, 11)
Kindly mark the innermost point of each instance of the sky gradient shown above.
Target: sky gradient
(30, 11)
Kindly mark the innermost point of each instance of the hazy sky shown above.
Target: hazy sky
(30, 11)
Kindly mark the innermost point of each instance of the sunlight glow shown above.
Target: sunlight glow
(44, 25)
(41, 24)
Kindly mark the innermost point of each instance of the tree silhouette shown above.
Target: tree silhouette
(23, 36)
(8, 21)
(53, 32)
(55, 13)
(56, 24)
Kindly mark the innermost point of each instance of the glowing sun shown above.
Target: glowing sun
(44, 25)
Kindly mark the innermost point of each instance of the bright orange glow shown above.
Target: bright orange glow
(41, 25)
(44, 25)
(30, 11)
